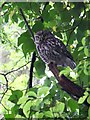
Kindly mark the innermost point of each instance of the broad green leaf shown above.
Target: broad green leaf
(44, 14)
(37, 26)
(39, 115)
(15, 96)
(40, 68)
(24, 5)
(59, 107)
(47, 82)
(88, 99)
(36, 105)
(26, 108)
(6, 17)
(35, 7)
(43, 91)
(24, 37)
(28, 45)
(15, 18)
(22, 100)
(80, 48)
(48, 114)
(82, 99)
(58, 7)
(87, 68)
(65, 16)
(21, 24)
(65, 71)
(9, 116)
(83, 41)
(72, 104)
(76, 10)
(37, 102)
(31, 94)
(86, 51)
(15, 109)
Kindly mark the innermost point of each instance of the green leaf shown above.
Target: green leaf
(43, 91)
(22, 100)
(24, 5)
(21, 24)
(15, 96)
(86, 51)
(58, 7)
(39, 115)
(31, 94)
(59, 107)
(87, 68)
(9, 116)
(76, 10)
(37, 26)
(65, 16)
(15, 109)
(44, 14)
(65, 71)
(35, 7)
(40, 68)
(88, 99)
(15, 17)
(26, 108)
(48, 114)
(36, 105)
(6, 17)
(83, 41)
(72, 104)
(47, 82)
(28, 45)
(82, 99)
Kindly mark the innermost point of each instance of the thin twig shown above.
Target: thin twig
(5, 76)
(15, 69)
(5, 107)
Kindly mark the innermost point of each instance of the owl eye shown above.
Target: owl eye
(37, 39)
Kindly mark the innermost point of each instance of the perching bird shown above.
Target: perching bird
(51, 49)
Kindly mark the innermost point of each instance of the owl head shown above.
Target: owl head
(41, 36)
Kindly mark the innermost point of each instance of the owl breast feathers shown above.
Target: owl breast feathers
(53, 50)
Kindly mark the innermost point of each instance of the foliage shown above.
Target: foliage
(68, 21)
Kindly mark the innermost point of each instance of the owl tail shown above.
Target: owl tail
(70, 63)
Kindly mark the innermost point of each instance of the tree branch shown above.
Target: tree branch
(30, 30)
(31, 70)
(34, 54)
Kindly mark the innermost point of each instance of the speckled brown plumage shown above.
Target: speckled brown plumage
(53, 50)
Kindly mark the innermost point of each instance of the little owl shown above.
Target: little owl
(51, 49)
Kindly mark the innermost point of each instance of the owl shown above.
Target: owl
(51, 49)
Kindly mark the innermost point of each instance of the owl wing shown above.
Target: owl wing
(61, 48)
